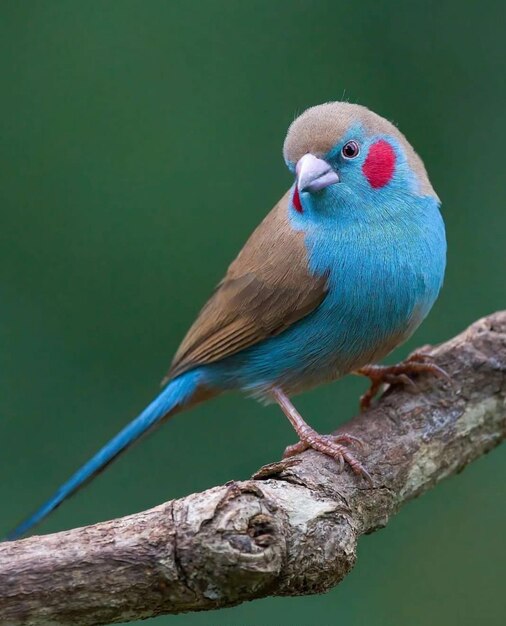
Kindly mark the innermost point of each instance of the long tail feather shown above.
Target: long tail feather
(177, 393)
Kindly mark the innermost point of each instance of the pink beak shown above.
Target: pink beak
(314, 174)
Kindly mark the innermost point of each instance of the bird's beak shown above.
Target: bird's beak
(314, 174)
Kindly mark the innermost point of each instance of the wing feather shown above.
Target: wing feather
(266, 289)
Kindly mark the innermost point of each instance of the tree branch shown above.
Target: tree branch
(291, 530)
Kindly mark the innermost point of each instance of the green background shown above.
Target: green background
(140, 143)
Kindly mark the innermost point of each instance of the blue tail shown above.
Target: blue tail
(177, 393)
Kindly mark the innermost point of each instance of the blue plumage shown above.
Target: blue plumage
(174, 396)
(385, 263)
(343, 269)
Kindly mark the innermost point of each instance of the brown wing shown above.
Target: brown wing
(266, 289)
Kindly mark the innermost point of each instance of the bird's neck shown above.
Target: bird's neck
(409, 234)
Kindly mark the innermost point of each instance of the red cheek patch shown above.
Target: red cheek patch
(379, 165)
(297, 205)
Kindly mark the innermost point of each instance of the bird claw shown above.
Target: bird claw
(340, 462)
(346, 439)
(343, 439)
(330, 445)
(400, 379)
(334, 447)
(419, 356)
(418, 362)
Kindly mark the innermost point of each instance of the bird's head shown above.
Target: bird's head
(345, 157)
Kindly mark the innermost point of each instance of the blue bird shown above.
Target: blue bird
(342, 270)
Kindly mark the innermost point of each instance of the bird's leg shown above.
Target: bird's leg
(417, 363)
(331, 445)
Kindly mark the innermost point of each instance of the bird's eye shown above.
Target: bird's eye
(350, 150)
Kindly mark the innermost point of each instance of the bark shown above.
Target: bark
(290, 530)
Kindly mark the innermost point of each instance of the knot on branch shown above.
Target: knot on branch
(238, 524)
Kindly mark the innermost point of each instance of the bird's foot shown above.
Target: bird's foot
(417, 363)
(333, 446)
(330, 445)
(343, 440)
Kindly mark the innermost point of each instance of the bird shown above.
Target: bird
(342, 270)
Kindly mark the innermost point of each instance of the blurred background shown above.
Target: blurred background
(140, 143)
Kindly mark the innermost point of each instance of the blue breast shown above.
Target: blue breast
(384, 277)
